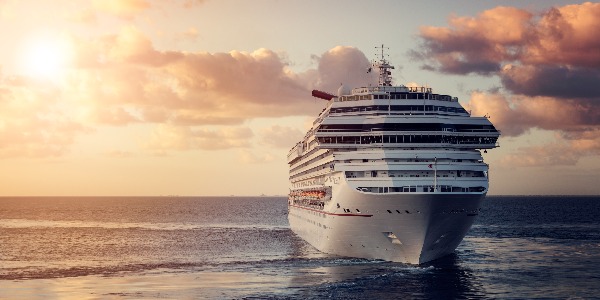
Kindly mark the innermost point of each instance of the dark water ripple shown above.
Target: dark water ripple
(234, 248)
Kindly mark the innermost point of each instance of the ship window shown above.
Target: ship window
(398, 211)
(357, 210)
(389, 211)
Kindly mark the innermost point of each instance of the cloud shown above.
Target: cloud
(128, 47)
(474, 44)
(241, 84)
(191, 33)
(200, 88)
(131, 46)
(343, 65)
(560, 36)
(565, 35)
(576, 124)
(514, 115)
(36, 137)
(169, 137)
(33, 120)
(121, 79)
(549, 67)
(280, 136)
(114, 115)
(551, 80)
(248, 157)
(203, 88)
(566, 149)
(554, 154)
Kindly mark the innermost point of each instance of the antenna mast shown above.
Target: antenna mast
(385, 75)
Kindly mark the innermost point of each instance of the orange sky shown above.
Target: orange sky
(142, 97)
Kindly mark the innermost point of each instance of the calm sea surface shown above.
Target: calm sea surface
(238, 247)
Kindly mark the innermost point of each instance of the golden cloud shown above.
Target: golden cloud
(343, 65)
(548, 63)
(170, 137)
(561, 36)
(281, 136)
(566, 149)
(204, 88)
(33, 121)
(248, 157)
(566, 35)
(514, 115)
(120, 79)
(576, 124)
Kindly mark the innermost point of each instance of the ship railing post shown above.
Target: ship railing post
(435, 188)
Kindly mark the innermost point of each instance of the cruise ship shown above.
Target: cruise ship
(389, 172)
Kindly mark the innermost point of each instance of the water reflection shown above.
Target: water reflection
(452, 280)
(337, 277)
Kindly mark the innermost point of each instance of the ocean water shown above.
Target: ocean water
(242, 248)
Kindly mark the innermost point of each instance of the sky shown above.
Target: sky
(206, 97)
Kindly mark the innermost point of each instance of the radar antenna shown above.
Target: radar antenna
(385, 75)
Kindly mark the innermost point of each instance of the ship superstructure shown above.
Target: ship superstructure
(389, 172)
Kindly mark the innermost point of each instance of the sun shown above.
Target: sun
(45, 57)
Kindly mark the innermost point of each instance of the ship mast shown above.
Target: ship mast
(385, 75)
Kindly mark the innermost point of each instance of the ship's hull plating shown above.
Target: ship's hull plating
(402, 227)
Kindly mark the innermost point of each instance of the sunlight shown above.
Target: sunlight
(45, 57)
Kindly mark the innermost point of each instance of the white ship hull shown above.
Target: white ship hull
(409, 228)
